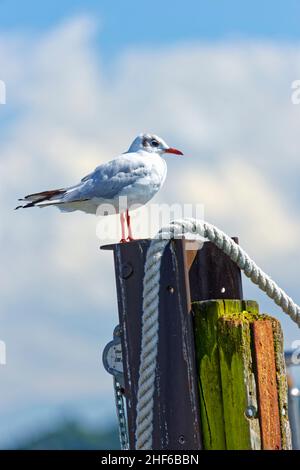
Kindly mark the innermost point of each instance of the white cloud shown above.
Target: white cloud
(226, 105)
(238, 197)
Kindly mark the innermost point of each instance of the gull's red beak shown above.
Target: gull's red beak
(174, 151)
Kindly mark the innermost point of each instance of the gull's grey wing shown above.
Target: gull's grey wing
(109, 179)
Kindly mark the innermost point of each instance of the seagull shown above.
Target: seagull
(133, 177)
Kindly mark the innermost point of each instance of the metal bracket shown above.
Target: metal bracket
(112, 357)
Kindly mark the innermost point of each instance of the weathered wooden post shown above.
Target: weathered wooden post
(220, 380)
(243, 392)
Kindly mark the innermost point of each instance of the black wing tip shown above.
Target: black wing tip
(30, 204)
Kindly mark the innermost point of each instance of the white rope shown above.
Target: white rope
(150, 323)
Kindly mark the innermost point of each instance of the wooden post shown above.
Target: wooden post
(242, 379)
(220, 373)
(176, 402)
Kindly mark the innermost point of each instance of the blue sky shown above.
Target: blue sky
(155, 22)
(83, 78)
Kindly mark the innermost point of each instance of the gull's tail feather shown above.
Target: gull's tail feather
(37, 199)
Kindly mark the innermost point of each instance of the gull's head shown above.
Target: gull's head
(153, 144)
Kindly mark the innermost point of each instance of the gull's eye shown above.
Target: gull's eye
(154, 143)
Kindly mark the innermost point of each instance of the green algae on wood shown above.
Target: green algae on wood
(231, 340)
(210, 389)
(226, 378)
(242, 428)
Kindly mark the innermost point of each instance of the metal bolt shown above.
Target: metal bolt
(251, 412)
(171, 289)
(126, 270)
(181, 439)
(117, 331)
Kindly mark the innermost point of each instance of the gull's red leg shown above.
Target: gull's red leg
(130, 237)
(122, 219)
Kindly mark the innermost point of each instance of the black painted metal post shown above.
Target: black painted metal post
(185, 276)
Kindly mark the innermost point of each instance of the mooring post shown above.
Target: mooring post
(220, 380)
(242, 378)
(176, 404)
(186, 275)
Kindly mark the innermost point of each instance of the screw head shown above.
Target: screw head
(181, 439)
(171, 289)
(251, 412)
(126, 270)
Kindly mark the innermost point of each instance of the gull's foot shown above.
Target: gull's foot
(123, 240)
(130, 239)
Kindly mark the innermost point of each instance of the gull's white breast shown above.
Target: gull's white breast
(142, 190)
